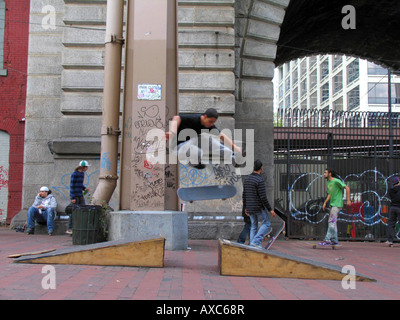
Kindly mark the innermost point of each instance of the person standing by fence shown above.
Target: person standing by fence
(394, 211)
(335, 199)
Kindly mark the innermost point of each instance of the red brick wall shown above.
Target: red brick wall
(13, 95)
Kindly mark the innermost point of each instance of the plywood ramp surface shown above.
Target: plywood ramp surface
(235, 259)
(144, 253)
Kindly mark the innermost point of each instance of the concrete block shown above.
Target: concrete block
(259, 49)
(135, 225)
(257, 68)
(208, 16)
(83, 57)
(85, 14)
(206, 59)
(95, 36)
(267, 12)
(224, 103)
(206, 37)
(44, 85)
(207, 81)
(264, 30)
(253, 89)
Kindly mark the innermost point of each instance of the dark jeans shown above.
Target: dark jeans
(394, 216)
(246, 231)
(79, 201)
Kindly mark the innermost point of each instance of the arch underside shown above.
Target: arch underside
(312, 27)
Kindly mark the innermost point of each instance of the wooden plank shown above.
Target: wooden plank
(17, 255)
(144, 253)
(240, 260)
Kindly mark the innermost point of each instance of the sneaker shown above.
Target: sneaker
(30, 230)
(50, 232)
(335, 244)
(68, 232)
(259, 246)
(325, 243)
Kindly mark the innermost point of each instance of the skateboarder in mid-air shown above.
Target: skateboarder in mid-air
(254, 203)
(335, 198)
(185, 130)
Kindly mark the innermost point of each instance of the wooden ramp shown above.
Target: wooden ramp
(144, 253)
(236, 259)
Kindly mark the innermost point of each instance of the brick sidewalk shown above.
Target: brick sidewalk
(193, 274)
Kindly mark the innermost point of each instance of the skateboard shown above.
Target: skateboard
(392, 245)
(276, 235)
(333, 247)
(207, 193)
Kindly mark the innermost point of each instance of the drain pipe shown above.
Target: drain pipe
(111, 103)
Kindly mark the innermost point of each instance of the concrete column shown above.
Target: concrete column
(150, 99)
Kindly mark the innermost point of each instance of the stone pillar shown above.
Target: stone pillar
(150, 100)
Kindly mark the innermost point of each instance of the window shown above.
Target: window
(353, 99)
(325, 92)
(294, 77)
(313, 61)
(303, 87)
(313, 79)
(303, 68)
(313, 101)
(3, 72)
(287, 84)
(287, 101)
(378, 93)
(295, 95)
(338, 105)
(336, 61)
(324, 68)
(374, 69)
(353, 71)
(338, 82)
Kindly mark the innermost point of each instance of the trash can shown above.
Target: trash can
(85, 224)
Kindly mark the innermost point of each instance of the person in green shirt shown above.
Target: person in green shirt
(335, 198)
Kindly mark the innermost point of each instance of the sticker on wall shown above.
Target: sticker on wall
(149, 92)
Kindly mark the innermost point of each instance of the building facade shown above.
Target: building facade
(334, 82)
(14, 32)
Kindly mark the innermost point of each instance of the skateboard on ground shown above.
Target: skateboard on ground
(207, 193)
(275, 235)
(333, 247)
(392, 245)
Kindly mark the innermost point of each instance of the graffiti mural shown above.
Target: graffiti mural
(369, 193)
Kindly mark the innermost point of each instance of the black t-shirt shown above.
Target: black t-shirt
(193, 122)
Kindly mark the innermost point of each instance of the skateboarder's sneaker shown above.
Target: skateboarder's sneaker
(30, 230)
(259, 246)
(335, 244)
(325, 243)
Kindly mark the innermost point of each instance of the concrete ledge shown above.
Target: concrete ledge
(133, 225)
